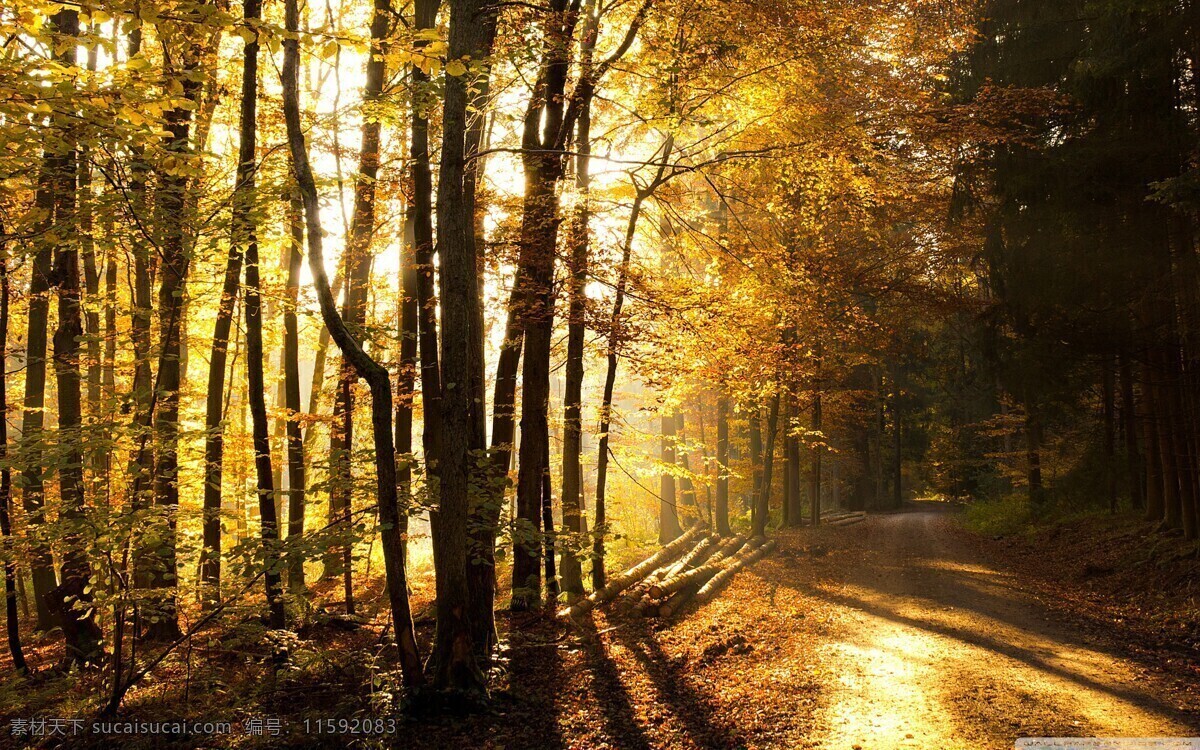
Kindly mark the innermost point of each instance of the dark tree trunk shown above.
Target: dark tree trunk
(722, 510)
(406, 376)
(453, 658)
(615, 340)
(1155, 492)
(171, 209)
(245, 233)
(422, 178)
(12, 622)
(32, 480)
(375, 375)
(795, 496)
(1108, 387)
(548, 537)
(297, 482)
(1129, 424)
(488, 499)
(214, 440)
(543, 164)
(897, 450)
(756, 459)
(357, 280)
(72, 598)
(1033, 456)
(814, 498)
(668, 508)
(762, 510)
(577, 262)
(787, 466)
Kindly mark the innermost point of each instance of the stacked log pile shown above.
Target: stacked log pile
(665, 582)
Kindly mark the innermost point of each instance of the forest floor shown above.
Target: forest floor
(906, 631)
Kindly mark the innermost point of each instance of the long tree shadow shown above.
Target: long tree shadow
(693, 708)
(538, 682)
(980, 640)
(610, 692)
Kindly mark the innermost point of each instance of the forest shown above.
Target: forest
(599, 373)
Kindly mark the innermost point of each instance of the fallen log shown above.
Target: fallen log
(849, 520)
(638, 592)
(829, 517)
(619, 583)
(665, 588)
(714, 585)
(706, 545)
(648, 604)
(683, 596)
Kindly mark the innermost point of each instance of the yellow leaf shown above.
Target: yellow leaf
(455, 68)
(330, 49)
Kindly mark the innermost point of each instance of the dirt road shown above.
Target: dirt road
(934, 648)
(893, 633)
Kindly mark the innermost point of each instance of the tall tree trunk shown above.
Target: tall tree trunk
(1108, 388)
(787, 465)
(214, 422)
(548, 540)
(762, 513)
(814, 498)
(615, 340)
(488, 499)
(1129, 425)
(897, 449)
(358, 279)
(245, 233)
(297, 487)
(722, 511)
(794, 499)
(375, 375)
(543, 167)
(756, 459)
(580, 237)
(1155, 491)
(11, 620)
(453, 657)
(431, 381)
(32, 480)
(668, 506)
(72, 598)
(171, 209)
(1033, 456)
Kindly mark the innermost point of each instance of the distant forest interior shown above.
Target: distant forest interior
(599, 373)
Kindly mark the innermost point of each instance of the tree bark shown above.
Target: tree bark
(1129, 424)
(11, 619)
(425, 17)
(814, 499)
(722, 509)
(244, 232)
(72, 598)
(580, 238)
(453, 658)
(610, 374)
(668, 510)
(542, 159)
(762, 512)
(375, 375)
(297, 481)
(214, 422)
(488, 499)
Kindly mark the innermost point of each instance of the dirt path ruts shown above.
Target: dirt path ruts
(933, 648)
